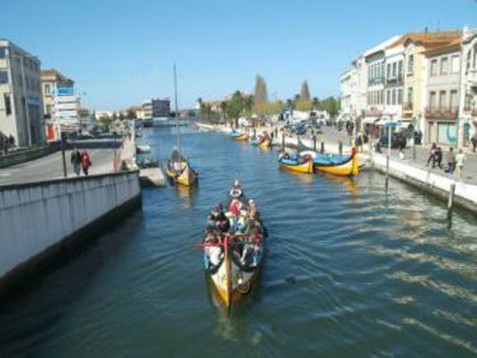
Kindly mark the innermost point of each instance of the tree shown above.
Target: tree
(305, 91)
(315, 102)
(248, 105)
(261, 94)
(331, 105)
(131, 114)
(303, 105)
(234, 107)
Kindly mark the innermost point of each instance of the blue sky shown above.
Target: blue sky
(122, 52)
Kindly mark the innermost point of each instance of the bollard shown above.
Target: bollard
(340, 147)
(314, 143)
(322, 147)
(283, 140)
(450, 205)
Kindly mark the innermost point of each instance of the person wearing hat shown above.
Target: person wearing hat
(236, 191)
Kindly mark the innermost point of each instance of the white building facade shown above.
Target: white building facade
(468, 89)
(21, 104)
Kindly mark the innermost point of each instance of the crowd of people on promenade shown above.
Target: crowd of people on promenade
(455, 162)
(80, 161)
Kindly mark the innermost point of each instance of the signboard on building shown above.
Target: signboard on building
(65, 91)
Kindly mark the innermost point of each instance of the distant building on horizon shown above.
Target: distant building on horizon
(156, 107)
(21, 104)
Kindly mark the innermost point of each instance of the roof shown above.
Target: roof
(427, 37)
(54, 75)
(451, 46)
(381, 46)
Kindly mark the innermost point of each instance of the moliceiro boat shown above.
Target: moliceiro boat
(179, 171)
(263, 141)
(238, 135)
(234, 246)
(299, 164)
(341, 165)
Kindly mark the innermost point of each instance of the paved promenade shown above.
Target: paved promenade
(51, 166)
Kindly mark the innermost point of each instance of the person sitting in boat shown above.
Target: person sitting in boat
(236, 191)
(252, 209)
(235, 207)
(214, 251)
(210, 221)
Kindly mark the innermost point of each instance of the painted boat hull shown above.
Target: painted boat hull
(242, 137)
(187, 177)
(265, 144)
(347, 167)
(306, 168)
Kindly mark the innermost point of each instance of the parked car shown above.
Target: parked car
(397, 140)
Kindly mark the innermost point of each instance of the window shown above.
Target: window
(409, 95)
(394, 69)
(442, 99)
(388, 97)
(444, 66)
(382, 97)
(453, 99)
(48, 108)
(3, 77)
(410, 64)
(433, 100)
(455, 64)
(47, 89)
(388, 74)
(8, 103)
(434, 67)
(393, 102)
(3, 52)
(400, 68)
(399, 97)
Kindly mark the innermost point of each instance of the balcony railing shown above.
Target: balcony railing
(394, 80)
(442, 112)
(407, 106)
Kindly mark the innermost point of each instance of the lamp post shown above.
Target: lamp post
(25, 94)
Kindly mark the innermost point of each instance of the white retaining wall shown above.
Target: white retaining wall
(402, 170)
(36, 216)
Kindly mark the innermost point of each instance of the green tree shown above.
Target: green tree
(331, 105)
(315, 102)
(131, 114)
(235, 107)
(303, 105)
(248, 105)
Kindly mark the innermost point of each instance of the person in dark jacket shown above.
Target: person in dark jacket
(76, 161)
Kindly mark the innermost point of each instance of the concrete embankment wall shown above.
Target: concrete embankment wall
(38, 219)
(465, 194)
(25, 156)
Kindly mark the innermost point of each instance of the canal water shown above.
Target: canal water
(350, 271)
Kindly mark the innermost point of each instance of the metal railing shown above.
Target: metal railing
(442, 112)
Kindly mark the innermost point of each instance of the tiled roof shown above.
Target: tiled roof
(426, 38)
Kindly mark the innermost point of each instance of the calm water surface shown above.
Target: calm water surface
(350, 271)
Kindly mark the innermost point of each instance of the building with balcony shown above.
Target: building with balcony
(353, 87)
(21, 104)
(442, 93)
(468, 89)
(394, 80)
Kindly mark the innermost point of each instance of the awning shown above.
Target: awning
(369, 120)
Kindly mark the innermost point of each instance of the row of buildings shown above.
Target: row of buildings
(426, 80)
(35, 105)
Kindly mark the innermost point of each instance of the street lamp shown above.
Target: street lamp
(25, 95)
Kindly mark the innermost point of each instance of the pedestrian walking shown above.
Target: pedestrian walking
(474, 142)
(450, 161)
(85, 162)
(459, 160)
(432, 157)
(438, 157)
(76, 161)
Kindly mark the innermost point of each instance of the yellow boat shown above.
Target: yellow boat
(338, 165)
(295, 166)
(179, 171)
(232, 270)
(242, 137)
(266, 143)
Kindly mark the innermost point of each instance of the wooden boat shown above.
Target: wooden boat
(179, 171)
(233, 259)
(239, 135)
(296, 165)
(341, 165)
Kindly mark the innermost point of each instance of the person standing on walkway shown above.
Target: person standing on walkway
(85, 162)
(474, 142)
(460, 159)
(450, 161)
(432, 155)
(438, 157)
(76, 161)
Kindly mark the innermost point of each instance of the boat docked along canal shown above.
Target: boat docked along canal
(239, 135)
(262, 141)
(341, 165)
(296, 164)
(234, 247)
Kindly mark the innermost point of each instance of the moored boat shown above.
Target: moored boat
(341, 165)
(299, 165)
(234, 247)
(239, 135)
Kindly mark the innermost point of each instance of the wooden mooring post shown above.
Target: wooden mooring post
(450, 205)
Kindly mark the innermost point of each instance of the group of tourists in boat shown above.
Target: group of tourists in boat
(233, 245)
